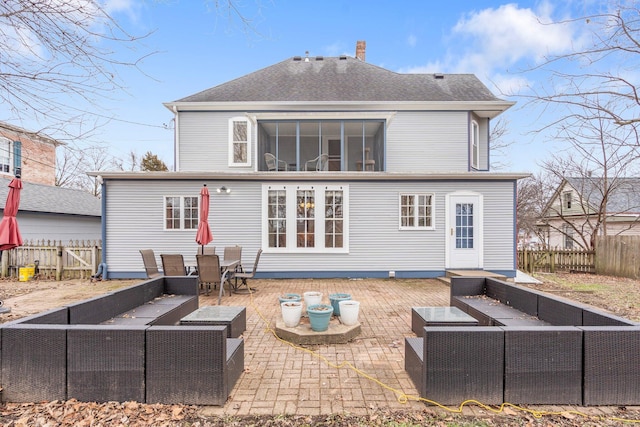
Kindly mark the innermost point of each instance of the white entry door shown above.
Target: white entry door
(464, 223)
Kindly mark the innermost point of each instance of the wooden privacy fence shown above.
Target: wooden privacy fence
(556, 260)
(75, 260)
(618, 256)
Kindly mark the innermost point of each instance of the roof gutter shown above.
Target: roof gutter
(307, 176)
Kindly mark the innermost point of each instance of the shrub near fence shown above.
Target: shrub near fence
(557, 260)
(75, 260)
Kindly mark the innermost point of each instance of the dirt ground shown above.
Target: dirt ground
(617, 295)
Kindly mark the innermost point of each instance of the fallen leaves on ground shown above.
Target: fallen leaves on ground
(132, 414)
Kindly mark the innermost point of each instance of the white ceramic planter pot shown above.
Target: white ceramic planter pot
(291, 313)
(312, 298)
(349, 310)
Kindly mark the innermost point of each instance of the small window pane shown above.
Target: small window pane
(240, 152)
(240, 131)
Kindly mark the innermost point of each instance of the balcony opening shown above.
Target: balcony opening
(324, 145)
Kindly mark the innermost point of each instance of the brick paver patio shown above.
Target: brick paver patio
(282, 379)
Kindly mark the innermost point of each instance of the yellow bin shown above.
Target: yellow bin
(26, 273)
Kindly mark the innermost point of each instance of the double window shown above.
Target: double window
(180, 213)
(305, 218)
(416, 211)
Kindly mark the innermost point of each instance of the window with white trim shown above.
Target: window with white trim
(567, 199)
(180, 213)
(10, 156)
(568, 233)
(475, 144)
(239, 141)
(305, 218)
(416, 211)
(5, 155)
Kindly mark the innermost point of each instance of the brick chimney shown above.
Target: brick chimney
(361, 46)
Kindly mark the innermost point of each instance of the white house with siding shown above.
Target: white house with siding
(402, 186)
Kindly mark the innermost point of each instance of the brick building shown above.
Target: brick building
(32, 154)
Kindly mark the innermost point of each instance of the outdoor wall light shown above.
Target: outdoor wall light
(224, 189)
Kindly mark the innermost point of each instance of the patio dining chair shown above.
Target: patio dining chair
(232, 253)
(209, 273)
(173, 265)
(243, 276)
(206, 250)
(150, 265)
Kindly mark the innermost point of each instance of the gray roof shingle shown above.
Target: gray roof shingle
(624, 196)
(52, 199)
(343, 79)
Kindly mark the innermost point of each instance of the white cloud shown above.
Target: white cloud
(412, 40)
(503, 39)
(508, 34)
(508, 85)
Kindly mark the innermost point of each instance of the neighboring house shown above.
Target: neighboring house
(28, 154)
(49, 213)
(334, 167)
(576, 211)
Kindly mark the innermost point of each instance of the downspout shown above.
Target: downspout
(103, 213)
(176, 139)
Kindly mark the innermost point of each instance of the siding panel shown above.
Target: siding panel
(135, 221)
(204, 142)
(428, 142)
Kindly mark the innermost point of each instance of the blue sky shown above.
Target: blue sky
(197, 46)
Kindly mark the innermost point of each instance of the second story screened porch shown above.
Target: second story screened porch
(321, 145)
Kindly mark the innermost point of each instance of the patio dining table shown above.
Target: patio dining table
(227, 267)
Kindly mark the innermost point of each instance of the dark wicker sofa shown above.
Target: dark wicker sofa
(529, 348)
(125, 345)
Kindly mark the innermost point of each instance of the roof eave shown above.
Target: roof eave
(489, 109)
(308, 176)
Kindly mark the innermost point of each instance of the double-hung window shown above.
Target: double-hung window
(567, 199)
(567, 232)
(416, 211)
(10, 156)
(180, 213)
(239, 141)
(475, 145)
(305, 218)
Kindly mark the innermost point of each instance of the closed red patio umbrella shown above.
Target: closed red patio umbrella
(9, 232)
(204, 236)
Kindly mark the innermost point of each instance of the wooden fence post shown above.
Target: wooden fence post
(5, 263)
(59, 263)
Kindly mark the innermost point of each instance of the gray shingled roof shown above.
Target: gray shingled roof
(343, 79)
(623, 198)
(51, 199)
